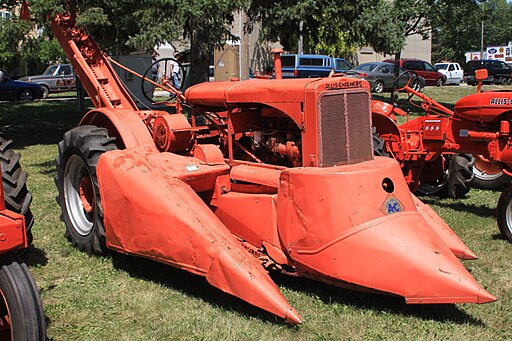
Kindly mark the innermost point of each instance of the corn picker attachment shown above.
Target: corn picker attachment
(258, 175)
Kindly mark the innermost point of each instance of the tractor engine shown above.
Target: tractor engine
(276, 141)
(310, 123)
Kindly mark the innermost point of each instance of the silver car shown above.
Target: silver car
(381, 76)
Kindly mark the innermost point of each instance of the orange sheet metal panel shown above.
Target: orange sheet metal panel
(444, 232)
(258, 175)
(222, 94)
(342, 223)
(252, 217)
(151, 211)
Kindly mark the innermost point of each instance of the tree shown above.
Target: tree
(457, 30)
(328, 25)
(121, 26)
(22, 52)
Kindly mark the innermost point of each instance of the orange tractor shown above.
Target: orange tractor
(259, 175)
(21, 312)
(479, 125)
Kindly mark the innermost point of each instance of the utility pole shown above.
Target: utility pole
(482, 35)
(301, 38)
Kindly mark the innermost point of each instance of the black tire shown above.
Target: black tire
(46, 91)
(378, 144)
(21, 310)
(460, 175)
(504, 213)
(378, 87)
(25, 95)
(79, 152)
(455, 182)
(440, 82)
(16, 195)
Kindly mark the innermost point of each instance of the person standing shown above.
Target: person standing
(175, 72)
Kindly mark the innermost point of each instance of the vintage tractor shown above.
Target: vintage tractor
(478, 125)
(259, 175)
(426, 170)
(21, 312)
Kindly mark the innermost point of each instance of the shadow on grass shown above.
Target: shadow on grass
(47, 167)
(197, 286)
(457, 205)
(35, 256)
(378, 302)
(38, 122)
(189, 284)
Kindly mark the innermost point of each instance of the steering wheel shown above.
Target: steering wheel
(406, 78)
(163, 72)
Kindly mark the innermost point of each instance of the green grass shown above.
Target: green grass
(125, 298)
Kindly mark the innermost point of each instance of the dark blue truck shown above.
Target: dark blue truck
(311, 65)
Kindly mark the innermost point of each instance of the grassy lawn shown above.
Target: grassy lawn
(125, 298)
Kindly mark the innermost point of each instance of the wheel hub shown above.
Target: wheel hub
(87, 194)
(79, 195)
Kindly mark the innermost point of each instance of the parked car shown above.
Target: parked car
(56, 78)
(11, 90)
(423, 69)
(311, 65)
(452, 71)
(381, 76)
(499, 72)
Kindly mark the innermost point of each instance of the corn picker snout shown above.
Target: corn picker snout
(248, 177)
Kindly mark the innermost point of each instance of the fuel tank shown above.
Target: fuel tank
(484, 106)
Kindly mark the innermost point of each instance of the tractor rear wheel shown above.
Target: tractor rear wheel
(21, 311)
(504, 213)
(14, 179)
(460, 175)
(454, 183)
(79, 195)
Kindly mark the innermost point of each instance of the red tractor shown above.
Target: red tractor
(259, 175)
(21, 312)
(478, 125)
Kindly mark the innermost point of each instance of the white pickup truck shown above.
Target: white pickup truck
(452, 71)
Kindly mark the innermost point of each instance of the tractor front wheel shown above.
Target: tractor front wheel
(21, 311)
(79, 195)
(504, 213)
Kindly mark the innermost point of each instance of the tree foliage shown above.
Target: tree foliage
(122, 26)
(327, 26)
(21, 51)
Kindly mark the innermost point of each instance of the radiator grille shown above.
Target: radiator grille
(344, 128)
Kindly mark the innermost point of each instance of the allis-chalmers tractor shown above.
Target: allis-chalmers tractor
(21, 312)
(261, 175)
(479, 125)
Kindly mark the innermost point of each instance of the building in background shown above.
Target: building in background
(415, 47)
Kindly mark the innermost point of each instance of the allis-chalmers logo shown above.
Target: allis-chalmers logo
(344, 85)
(501, 101)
